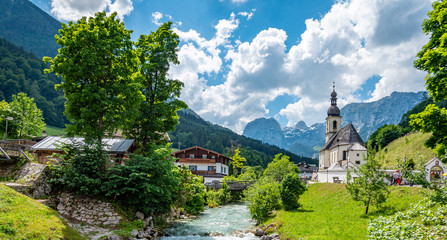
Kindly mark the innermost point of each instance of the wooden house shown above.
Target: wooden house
(212, 166)
(117, 148)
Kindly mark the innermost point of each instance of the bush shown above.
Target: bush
(80, 169)
(215, 198)
(263, 197)
(191, 194)
(291, 189)
(146, 184)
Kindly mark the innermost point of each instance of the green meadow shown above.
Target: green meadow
(329, 212)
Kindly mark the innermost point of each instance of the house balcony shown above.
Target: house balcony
(196, 160)
(202, 172)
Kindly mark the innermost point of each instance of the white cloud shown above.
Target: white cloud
(249, 15)
(156, 16)
(354, 41)
(73, 10)
(239, 1)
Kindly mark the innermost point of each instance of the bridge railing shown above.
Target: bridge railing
(10, 151)
(233, 185)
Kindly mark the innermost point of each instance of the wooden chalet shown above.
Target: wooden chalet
(117, 148)
(212, 166)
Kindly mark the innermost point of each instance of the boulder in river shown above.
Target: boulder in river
(259, 232)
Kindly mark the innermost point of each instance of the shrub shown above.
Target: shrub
(146, 184)
(191, 194)
(263, 197)
(219, 197)
(80, 168)
(291, 189)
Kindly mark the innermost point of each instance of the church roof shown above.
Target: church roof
(346, 135)
(357, 147)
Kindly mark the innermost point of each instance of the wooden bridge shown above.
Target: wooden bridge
(10, 152)
(233, 185)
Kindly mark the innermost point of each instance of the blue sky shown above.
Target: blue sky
(245, 59)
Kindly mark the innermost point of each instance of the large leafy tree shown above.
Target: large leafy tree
(433, 59)
(26, 115)
(96, 62)
(158, 113)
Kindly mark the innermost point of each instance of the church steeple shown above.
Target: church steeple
(333, 110)
(333, 120)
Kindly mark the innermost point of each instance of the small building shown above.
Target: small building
(212, 166)
(117, 148)
(435, 170)
(307, 170)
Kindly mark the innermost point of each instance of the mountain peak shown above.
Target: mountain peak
(301, 125)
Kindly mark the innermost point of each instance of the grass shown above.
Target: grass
(411, 146)
(23, 218)
(330, 213)
(55, 131)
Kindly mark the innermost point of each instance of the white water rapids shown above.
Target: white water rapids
(229, 222)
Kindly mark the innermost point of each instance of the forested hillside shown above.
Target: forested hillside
(193, 130)
(21, 71)
(26, 25)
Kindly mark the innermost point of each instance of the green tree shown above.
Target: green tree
(96, 62)
(263, 197)
(191, 192)
(291, 189)
(248, 174)
(158, 113)
(280, 167)
(27, 116)
(369, 187)
(433, 59)
(238, 161)
(384, 135)
(433, 119)
(146, 184)
(79, 169)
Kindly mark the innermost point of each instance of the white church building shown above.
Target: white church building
(344, 148)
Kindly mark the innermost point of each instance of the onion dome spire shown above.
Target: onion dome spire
(333, 109)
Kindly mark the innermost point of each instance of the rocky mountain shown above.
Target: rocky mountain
(366, 117)
(26, 25)
(267, 130)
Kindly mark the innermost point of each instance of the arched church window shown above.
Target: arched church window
(334, 125)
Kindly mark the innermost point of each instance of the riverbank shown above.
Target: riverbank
(329, 212)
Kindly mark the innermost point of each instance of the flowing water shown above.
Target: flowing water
(229, 222)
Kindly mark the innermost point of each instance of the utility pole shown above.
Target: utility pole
(5, 135)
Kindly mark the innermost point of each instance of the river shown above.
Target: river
(223, 221)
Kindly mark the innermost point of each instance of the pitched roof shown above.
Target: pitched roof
(197, 147)
(346, 135)
(113, 145)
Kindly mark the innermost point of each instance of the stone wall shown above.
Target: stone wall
(31, 180)
(88, 210)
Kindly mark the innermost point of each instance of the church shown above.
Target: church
(344, 148)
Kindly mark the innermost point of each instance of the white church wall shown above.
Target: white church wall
(327, 176)
(357, 157)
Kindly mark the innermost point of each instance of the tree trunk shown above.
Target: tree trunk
(367, 205)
